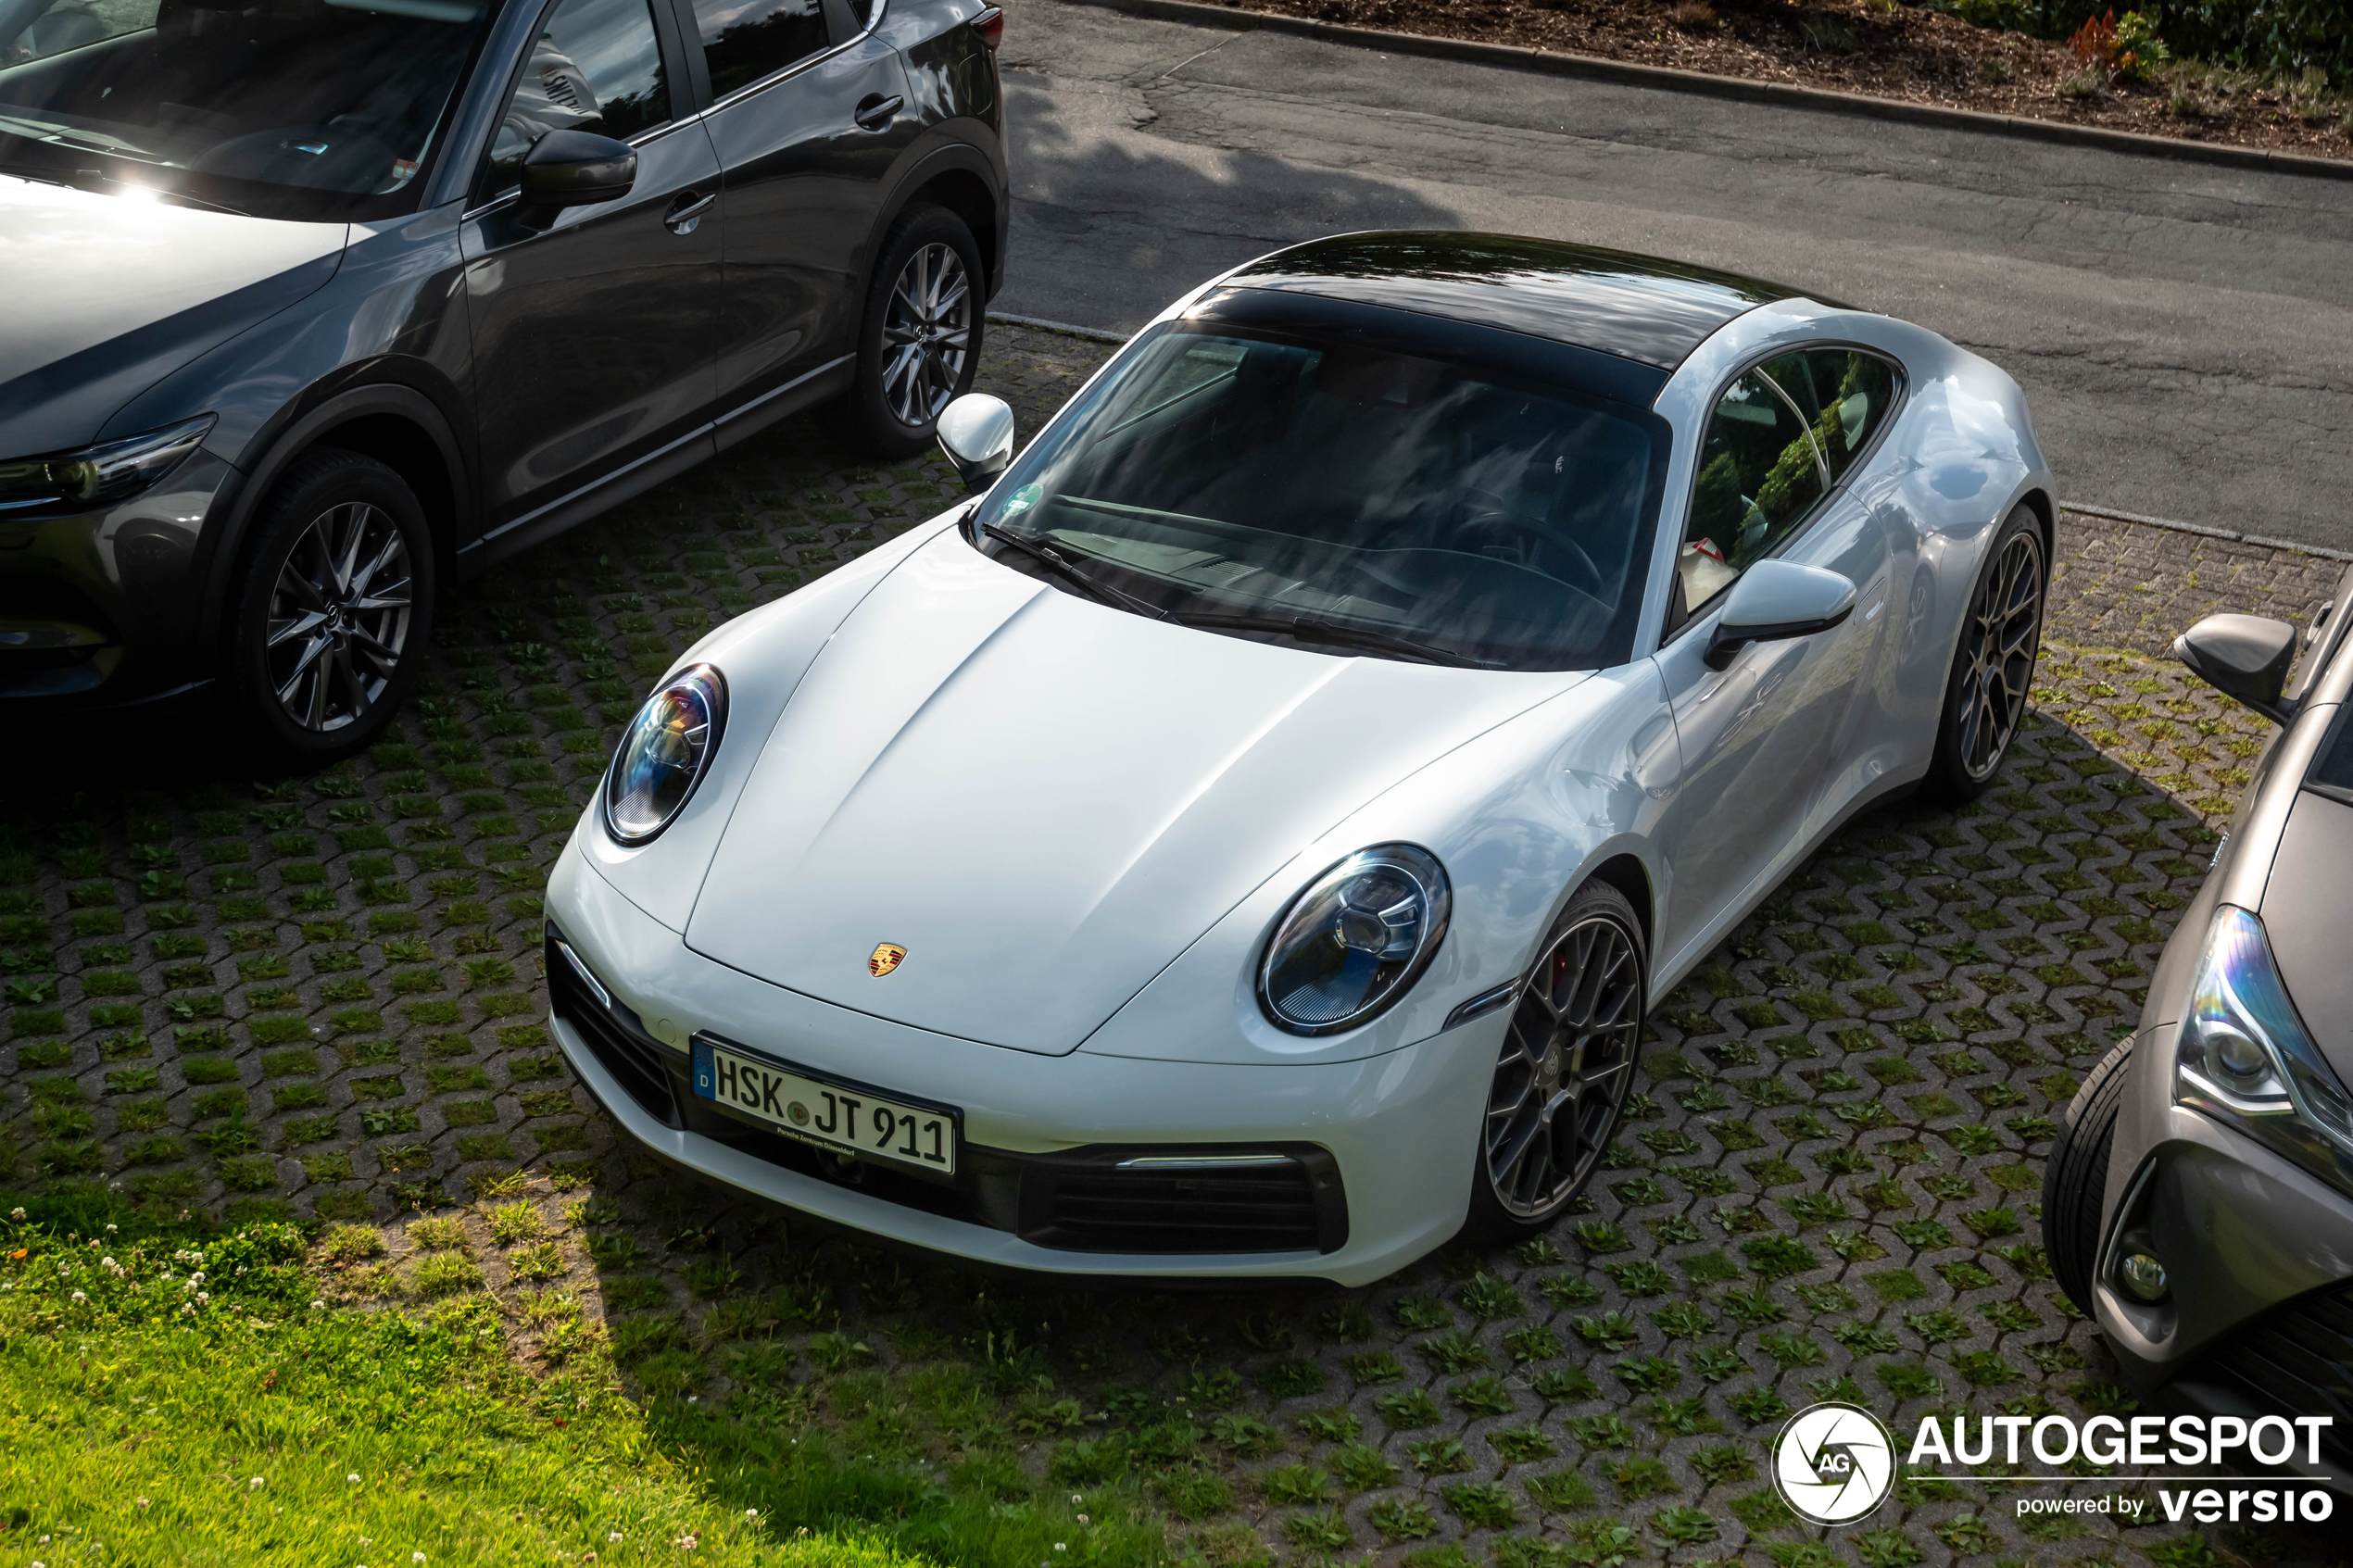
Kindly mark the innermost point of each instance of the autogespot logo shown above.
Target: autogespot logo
(1833, 1464)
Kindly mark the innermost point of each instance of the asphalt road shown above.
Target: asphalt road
(2184, 331)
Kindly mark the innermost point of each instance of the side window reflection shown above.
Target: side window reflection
(1780, 437)
(745, 40)
(596, 67)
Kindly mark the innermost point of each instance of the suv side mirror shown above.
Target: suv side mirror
(976, 431)
(1776, 599)
(2243, 656)
(576, 169)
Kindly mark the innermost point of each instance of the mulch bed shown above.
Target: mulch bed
(1884, 50)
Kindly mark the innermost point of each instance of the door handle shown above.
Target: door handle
(874, 111)
(686, 212)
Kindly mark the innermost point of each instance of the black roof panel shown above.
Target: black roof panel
(1638, 307)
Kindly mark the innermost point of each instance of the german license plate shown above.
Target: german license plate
(830, 1114)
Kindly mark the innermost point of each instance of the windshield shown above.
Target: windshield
(284, 108)
(1225, 471)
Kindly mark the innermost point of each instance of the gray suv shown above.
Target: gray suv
(2198, 1200)
(316, 305)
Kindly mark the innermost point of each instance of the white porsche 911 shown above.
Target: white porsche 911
(1245, 841)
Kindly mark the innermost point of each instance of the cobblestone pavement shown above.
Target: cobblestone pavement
(322, 997)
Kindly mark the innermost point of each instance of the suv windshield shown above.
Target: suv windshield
(1336, 493)
(286, 109)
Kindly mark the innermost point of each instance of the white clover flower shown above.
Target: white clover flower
(143, 1503)
(17, 1214)
(416, 1557)
(353, 1479)
(318, 1306)
(204, 1297)
(1082, 1519)
(110, 1230)
(1076, 1500)
(80, 1297)
(254, 1484)
(612, 1536)
(1060, 1545)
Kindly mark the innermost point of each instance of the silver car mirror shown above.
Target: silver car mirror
(2243, 656)
(976, 431)
(1776, 599)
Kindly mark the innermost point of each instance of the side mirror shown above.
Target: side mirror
(1776, 599)
(976, 431)
(576, 169)
(2243, 656)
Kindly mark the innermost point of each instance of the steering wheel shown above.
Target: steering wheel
(1486, 516)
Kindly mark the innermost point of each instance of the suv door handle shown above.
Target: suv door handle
(686, 212)
(874, 111)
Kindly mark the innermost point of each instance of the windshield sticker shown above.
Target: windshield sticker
(1023, 499)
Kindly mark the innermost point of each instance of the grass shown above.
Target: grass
(177, 1392)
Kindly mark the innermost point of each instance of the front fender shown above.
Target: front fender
(1519, 816)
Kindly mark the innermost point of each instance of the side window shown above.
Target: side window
(597, 66)
(1760, 471)
(745, 39)
(1855, 390)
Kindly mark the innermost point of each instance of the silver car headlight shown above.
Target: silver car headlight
(1355, 940)
(663, 757)
(2243, 1057)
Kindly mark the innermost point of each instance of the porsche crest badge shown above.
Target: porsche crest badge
(885, 958)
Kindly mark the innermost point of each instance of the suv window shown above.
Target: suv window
(1780, 437)
(597, 66)
(745, 40)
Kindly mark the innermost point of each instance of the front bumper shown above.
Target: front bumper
(1394, 1135)
(103, 607)
(2259, 1257)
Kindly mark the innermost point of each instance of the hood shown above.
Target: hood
(1044, 801)
(107, 295)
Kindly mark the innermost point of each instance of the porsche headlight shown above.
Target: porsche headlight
(665, 753)
(2243, 1057)
(1355, 940)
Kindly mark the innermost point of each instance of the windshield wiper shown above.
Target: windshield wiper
(95, 182)
(1055, 560)
(1338, 633)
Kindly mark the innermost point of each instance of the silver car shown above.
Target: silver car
(2198, 1202)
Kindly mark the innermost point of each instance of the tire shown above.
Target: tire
(331, 608)
(1570, 1050)
(919, 335)
(1993, 669)
(2075, 1176)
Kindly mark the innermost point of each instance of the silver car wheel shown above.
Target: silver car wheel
(1999, 642)
(927, 332)
(338, 618)
(1566, 1062)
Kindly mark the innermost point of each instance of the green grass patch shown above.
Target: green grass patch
(274, 1427)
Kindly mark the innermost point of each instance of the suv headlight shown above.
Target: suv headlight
(95, 476)
(665, 753)
(2243, 1057)
(1355, 940)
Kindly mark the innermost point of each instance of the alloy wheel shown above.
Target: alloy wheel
(339, 617)
(1566, 1063)
(928, 334)
(2005, 628)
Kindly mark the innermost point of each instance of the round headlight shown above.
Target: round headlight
(663, 754)
(1355, 941)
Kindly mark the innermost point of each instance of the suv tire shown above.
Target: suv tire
(331, 608)
(2075, 1176)
(918, 337)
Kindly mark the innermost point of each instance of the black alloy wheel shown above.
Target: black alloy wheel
(1993, 671)
(920, 336)
(334, 605)
(1565, 1065)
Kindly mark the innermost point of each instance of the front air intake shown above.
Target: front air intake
(1166, 1200)
(612, 1034)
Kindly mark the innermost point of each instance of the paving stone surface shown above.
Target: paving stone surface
(322, 997)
